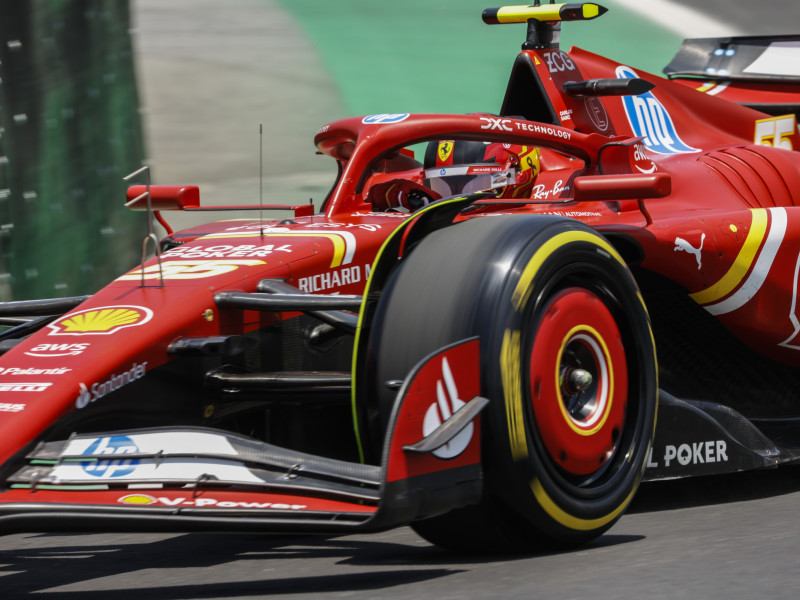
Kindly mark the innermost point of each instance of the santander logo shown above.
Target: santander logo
(447, 403)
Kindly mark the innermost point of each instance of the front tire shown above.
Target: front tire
(568, 362)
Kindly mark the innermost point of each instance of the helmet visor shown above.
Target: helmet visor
(466, 179)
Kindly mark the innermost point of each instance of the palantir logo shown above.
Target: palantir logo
(447, 403)
(650, 120)
(113, 445)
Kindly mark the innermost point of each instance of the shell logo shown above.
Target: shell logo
(103, 320)
(140, 499)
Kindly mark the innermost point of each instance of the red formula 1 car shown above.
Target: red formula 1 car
(464, 338)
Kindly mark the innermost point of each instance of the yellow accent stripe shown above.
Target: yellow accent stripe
(547, 12)
(338, 243)
(569, 521)
(400, 230)
(338, 248)
(523, 289)
(510, 354)
(512, 392)
(731, 280)
(610, 372)
(520, 14)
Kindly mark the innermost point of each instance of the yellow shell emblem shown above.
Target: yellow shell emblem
(137, 499)
(102, 320)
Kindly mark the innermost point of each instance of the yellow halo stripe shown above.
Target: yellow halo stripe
(567, 520)
(523, 289)
(741, 265)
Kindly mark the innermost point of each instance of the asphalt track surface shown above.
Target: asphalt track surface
(726, 537)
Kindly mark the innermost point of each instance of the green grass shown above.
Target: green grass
(439, 56)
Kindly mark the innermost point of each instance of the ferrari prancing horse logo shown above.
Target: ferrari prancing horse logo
(444, 152)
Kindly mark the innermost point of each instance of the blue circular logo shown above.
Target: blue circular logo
(385, 118)
(115, 445)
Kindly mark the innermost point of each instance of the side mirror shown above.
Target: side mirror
(622, 187)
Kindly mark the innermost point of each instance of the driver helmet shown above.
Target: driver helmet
(463, 167)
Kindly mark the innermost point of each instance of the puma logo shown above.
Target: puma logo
(684, 246)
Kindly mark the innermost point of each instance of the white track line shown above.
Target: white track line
(686, 22)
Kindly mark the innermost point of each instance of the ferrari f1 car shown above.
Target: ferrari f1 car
(463, 338)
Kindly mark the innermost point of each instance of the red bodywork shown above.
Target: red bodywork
(674, 175)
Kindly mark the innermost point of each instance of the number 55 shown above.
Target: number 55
(776, 131)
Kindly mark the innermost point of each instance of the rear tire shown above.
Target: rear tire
(568, 363)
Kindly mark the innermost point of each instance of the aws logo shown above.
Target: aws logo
(103, 320)
(53, 350)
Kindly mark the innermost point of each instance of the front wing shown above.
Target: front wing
(192, 478)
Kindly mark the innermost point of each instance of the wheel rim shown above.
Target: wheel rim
(578, 381)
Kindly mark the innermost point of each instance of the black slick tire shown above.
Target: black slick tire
(568, 363)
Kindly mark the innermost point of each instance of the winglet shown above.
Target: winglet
(581, 11)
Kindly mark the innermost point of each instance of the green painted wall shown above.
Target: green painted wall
(70, 131)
